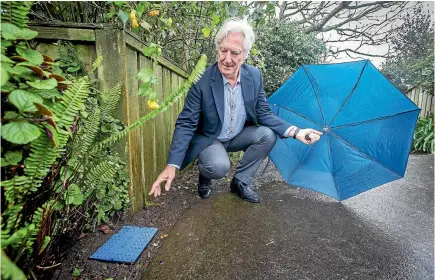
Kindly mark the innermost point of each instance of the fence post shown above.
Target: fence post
(110, 44)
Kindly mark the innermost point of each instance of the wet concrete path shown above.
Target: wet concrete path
(384, 233)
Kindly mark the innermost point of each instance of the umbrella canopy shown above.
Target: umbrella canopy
(367, 126)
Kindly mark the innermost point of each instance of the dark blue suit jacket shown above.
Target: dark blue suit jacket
(200, 121)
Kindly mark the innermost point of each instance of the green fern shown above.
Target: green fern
(96, 64)
(99, 174)
(42, 154)
(91, 130)
(16, 13)
(175, 96)
(109, 101)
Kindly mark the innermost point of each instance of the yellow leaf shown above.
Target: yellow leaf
(133, 15)
(134, 24)
(152, 104)
(153, 13)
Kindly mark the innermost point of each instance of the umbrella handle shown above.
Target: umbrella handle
(307, 137)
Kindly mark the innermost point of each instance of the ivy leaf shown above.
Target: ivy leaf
(20, 132)
(206, 32)
(30, 55)
(123, 16)
(44, 84)
(13, 157)
(145, 89)
(24, 100)
(145, 75)
(74, 195)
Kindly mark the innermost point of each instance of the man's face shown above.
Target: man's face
(230, 55)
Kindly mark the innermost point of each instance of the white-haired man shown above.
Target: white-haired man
(227, 111)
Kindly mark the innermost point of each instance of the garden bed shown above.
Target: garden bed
(182, 196)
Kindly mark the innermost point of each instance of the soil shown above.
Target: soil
(182, 196)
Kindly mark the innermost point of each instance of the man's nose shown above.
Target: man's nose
(228, 57)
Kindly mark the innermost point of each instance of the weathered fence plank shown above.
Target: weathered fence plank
(145, 149)
(423, 100)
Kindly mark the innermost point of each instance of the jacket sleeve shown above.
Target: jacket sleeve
(185, 126)
(265, 116)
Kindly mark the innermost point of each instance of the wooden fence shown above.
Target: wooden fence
(146, 148)
(422, 100)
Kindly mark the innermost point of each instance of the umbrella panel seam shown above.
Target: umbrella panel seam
(336, 185)
(364, 154)
(373, 120)
(314, 91)
(350, 94)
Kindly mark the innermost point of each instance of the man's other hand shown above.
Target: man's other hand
(167, 175)
(314, 135)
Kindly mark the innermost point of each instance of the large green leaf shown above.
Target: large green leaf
(30, 55)
(9, 31)
(12, 32)
(6, 59)
(24, 100)
(123, 16)
(44, 84)
(13, 157)
(206, 32)
(27, 34)
(20, 132)
(9, 270)
(5, 76)
(145, 75)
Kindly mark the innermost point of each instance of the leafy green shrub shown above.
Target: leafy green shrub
(285, 47)
(424, 136)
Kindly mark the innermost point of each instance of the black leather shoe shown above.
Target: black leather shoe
(204, 187)
(244, 191)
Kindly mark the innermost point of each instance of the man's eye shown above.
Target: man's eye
(224, 50)
(235, 53)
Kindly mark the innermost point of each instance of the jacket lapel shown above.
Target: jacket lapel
(248, 92)
(217, 88)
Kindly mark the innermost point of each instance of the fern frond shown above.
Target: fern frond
(102, 172)
(72, 100)
(92, 126)
(169, 101)
(16, 12)
(42, 155)
(109, 100)
(96, 64)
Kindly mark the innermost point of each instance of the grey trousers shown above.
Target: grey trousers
(256, 141)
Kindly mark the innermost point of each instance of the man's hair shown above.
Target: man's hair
(236, 25)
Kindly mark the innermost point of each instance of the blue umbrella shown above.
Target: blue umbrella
(367, 126)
